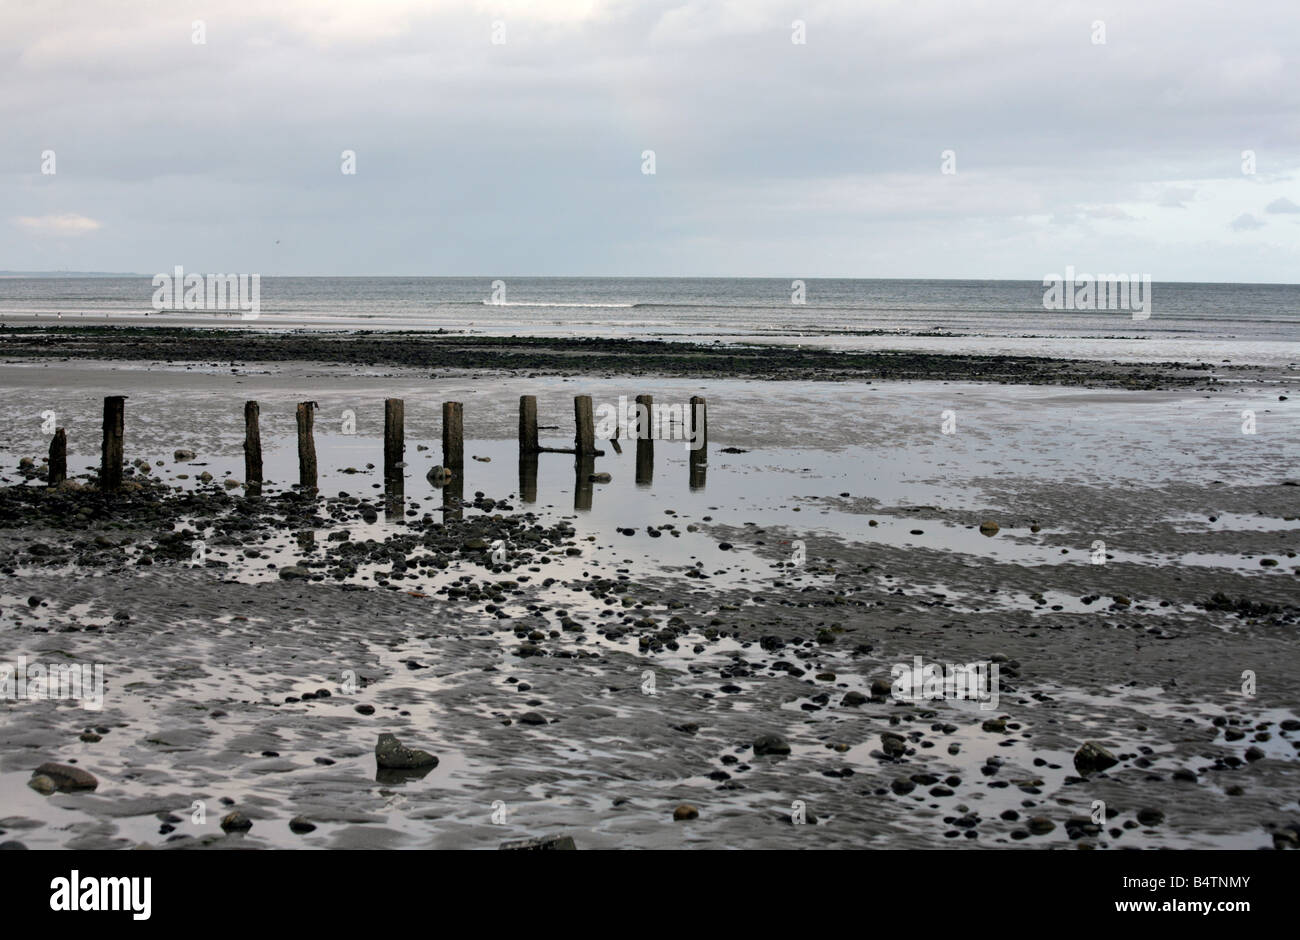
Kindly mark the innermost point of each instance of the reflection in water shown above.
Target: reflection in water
(645, 462)
(699, 464)
(528, 476)
(583, 468)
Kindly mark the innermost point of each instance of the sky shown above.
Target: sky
(899, 138)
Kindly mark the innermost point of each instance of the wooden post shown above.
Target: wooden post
(110, 465)
(394, 438)
(306, 445)
(252, 447)
(453, 500)
(584, 441)
(527, 424)
(699, 460)
(453, 437)
(698, 422)
(57, 471)
(645, 445)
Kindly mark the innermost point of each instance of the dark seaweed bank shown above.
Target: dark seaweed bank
(580, 356)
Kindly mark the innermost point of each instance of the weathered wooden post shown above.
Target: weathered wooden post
(453, 500)
(453, 438)
(698, 442)
(394, 439)
(645, 445)
(698, 423)
(110, 464)
(252, 447)
(57, 471)
(584, 441)
(527, 424)
(306, 445)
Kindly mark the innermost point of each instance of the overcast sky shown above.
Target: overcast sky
(772, 158)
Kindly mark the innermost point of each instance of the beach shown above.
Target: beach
(636, 644)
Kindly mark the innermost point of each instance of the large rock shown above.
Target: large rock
(771, 744)
(1092, 757)
(391, 754)
(66, 777)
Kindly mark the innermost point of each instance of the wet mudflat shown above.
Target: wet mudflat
(622, 660)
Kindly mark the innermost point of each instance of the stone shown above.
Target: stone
(684, 812)
(1092, 757)
(66, 777)
(771, 744)
(236, 821)
(391, 754)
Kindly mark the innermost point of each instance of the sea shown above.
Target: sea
(1215, 323)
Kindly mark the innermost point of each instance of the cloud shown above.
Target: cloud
(1176, 197)
(69, 223)
(1246, 223)
(1282, 204)
(525, 156)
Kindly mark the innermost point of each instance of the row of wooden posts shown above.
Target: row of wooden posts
(453, 443)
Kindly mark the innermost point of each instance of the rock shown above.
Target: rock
(894, 745)
(439, 476)
(294, 572)
(684, 812)
(301, 825)
(989, 528)
(42, 784)
(11, 846)
(853, 699)
(205, 477)
(364, 709)
(180, 455)
(231, 483)
(236, 822)
(771, 744)
(1254, 753)
(532, 718)
(1150, 817)
(66, 777)
(995, 724)
(600, 478)
(391, 754)
(1040, 825)
(1092, 757)
(541, 843)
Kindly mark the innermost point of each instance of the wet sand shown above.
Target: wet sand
(603, 675)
